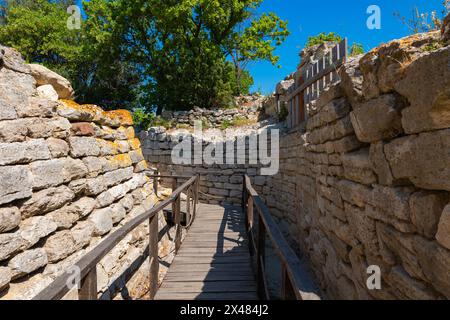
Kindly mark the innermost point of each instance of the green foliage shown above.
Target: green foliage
(182, 46)
(90, 59)
(148, 54)
(142, 119)
(322, 38)
(356, 49)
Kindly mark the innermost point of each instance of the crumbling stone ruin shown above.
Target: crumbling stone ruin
(69, 175)
(364, 181)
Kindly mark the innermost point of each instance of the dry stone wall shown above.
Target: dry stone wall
(367, 181)
(69, 176)
(219, 183)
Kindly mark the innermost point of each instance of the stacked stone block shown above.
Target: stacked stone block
(69, 175)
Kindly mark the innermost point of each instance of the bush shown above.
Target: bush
(322, 38)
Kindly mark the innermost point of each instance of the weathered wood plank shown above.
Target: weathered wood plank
(207, 296)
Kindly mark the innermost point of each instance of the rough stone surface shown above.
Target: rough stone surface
(27, 262)
(15, 183)
(36, 228)
(386, 110)
(45, 76)
(59, 246)
(56, 157)
(443, 233)
(23, 152)
(102, 221)
(422, 159)
(10, 218)
(47, 200)
(426, 210)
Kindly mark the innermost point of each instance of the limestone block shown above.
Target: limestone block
(118, 213)
(136, 156)
(141, 166)
(123, 146)
(36, 228)
(357, 167)
(422, 159)
(14, 130)
(52, 173)
(38, 107)
(127, 202)
(15, 183)
(27, 262)
(95, 186)
(23, 152)
(443, 233)
(102, 221)
(59, 246)
(10, 218)
(5, 277)
(44, 76)
(354, 193)
(434, 261)
(10, 243)
(46, 128)
(47, 200)
(115, 177)
(58, 147)
(82, 113)
(82, 233)
(426, 210)
(94, 165)
(47, 92)
(352, 80)
(83, 129)
(380, 163)
(378, 119)
(78, 186)
(410, 287)
(426, 86)
(346, 144)
(84, 147)
(108, 148)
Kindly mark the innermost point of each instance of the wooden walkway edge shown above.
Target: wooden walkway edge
(214, 261)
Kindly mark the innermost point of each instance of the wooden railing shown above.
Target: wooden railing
(294, 285)
(86, 267)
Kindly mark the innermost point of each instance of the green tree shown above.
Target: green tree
(182, 46)
(356, 49)
(97, 68)
(322, 38)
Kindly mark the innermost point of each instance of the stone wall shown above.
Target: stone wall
(70, 175)
(247, 110)
(219, 183)
(367, 181)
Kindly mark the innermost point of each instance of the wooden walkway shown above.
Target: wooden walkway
(214, 261)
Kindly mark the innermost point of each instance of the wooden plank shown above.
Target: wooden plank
(230, 296)
(213, 286)
(212, 260)
(207, 267)
(88, 287)
(218, 276)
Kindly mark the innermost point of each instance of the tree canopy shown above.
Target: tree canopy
(173, 54)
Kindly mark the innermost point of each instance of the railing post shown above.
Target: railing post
(155, 183)
(153, 255)
(287, 292)
(188, 205)
(88, 286)
(177, 216)
(261, 258)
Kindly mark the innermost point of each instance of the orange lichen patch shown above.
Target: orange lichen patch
(122, 117)
(130, 133)
(120, 160)
(73, 111)
(108, 147)
(134, 143)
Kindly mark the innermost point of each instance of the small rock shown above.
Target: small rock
(44, 76)
(102, 221)
(47, 92)
(27, 262)
(10, 218)
(59, 246)
(36, 228)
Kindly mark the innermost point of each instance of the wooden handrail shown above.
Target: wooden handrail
(294, 285)
(86, 266)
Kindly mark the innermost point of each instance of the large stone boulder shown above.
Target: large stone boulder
(45, 76)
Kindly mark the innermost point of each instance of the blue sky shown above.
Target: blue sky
(346, 17)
